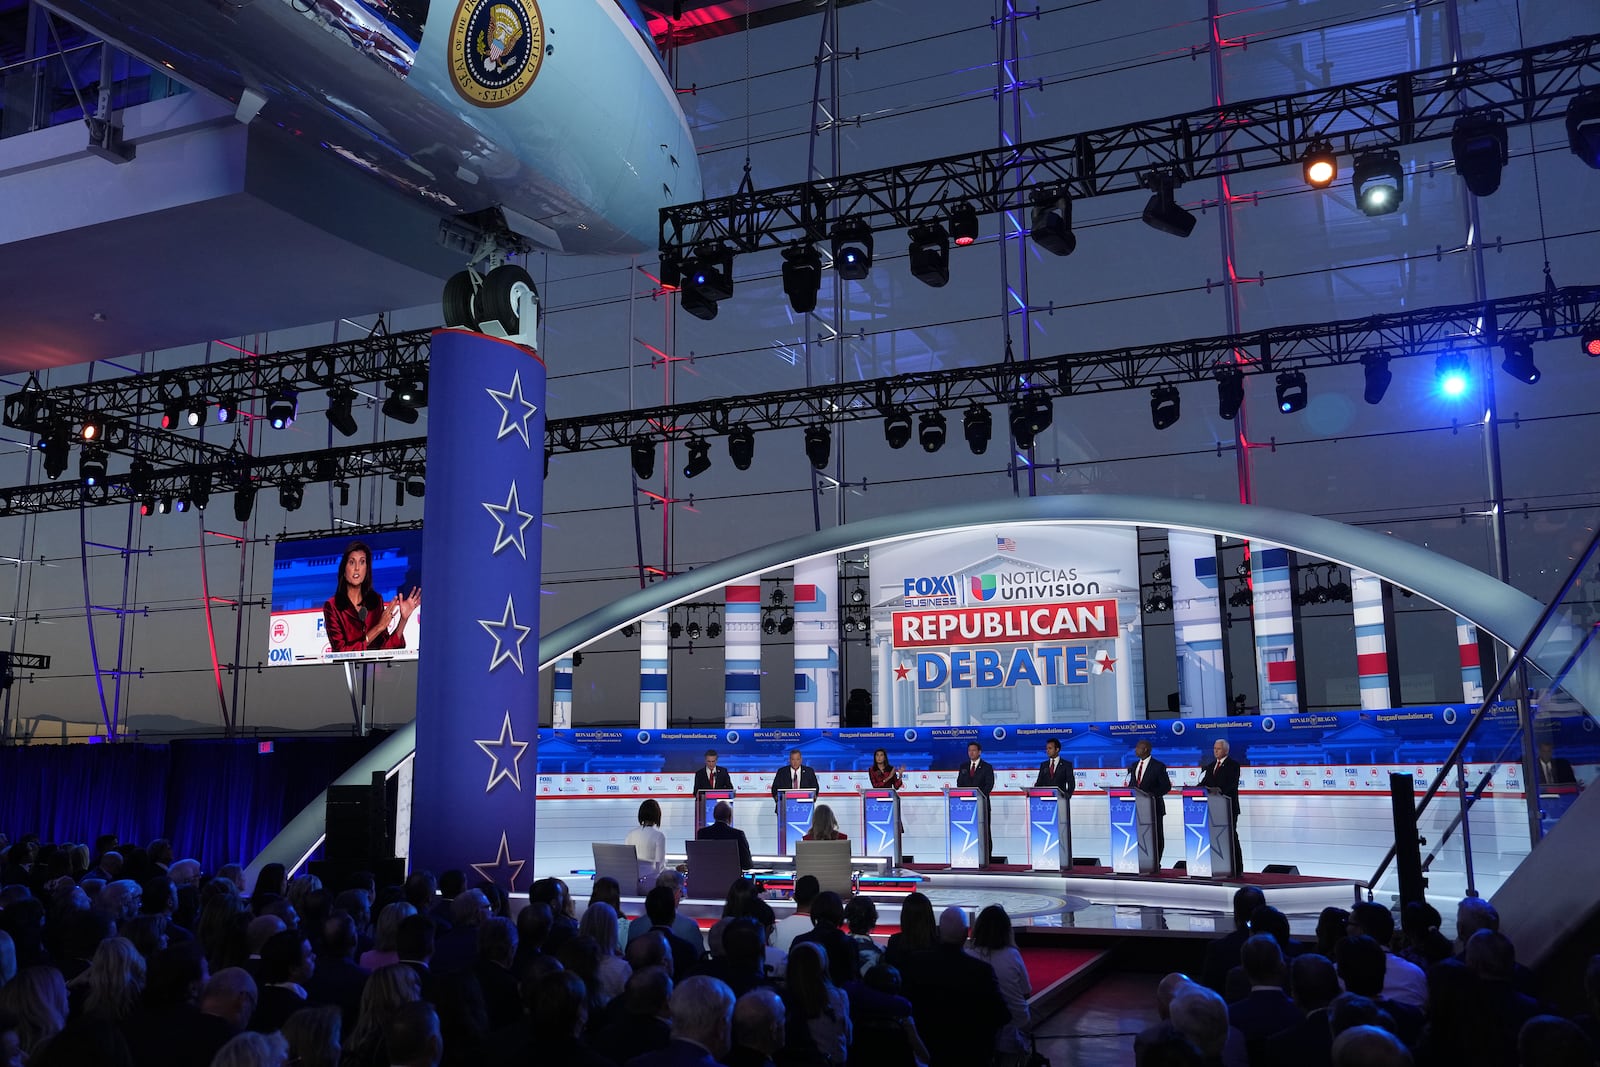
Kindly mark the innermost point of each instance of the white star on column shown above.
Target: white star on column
(506, 650)
(504, 767)
(512, 398)
(503, 513)
(1049, 831)
(1127, 845)
(502, 861)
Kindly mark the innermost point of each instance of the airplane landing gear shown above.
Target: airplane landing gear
(502, 303)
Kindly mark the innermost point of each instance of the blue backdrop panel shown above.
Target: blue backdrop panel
(1197, 834)
(478, 679)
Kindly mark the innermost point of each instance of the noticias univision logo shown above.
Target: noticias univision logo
(983, 586)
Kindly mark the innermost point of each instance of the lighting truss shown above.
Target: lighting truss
(1521, 87)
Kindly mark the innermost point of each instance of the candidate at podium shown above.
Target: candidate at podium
(1148, 775)
(795, 776)
(1055, 772)
(1222, 774)
(711, 776)
(977, 773)
(721, 828)
(1553, 770)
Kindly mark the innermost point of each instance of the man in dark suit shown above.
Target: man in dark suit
(1266, 1009)
(977, 773)
(827, 916)
(497, 948)
(1222, 955)
(1148, 775)
(795, 776)
(339, 980)
(1309, 1042)
(1222, 774)
(287, 964)
(955, 998)
(702, 1026)
(1055, 772)
(711, 776)
(1553, 770)
(722, 829)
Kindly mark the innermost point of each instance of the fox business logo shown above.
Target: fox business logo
(931, 591)
(959, 590)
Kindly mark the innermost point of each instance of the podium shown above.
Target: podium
(1554, 800)
(1049, 829)
(1222, 828)
(1199, 855)
(880, 824)
(1133, 831)
(794, 817)
(966, 820)
(705, 802)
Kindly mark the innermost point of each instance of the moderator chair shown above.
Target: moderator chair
(713, 867)
(620, 862)
(828, 862)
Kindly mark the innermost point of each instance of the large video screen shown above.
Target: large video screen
(305, 576)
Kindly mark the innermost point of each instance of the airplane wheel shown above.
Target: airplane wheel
(457, 301)
(503, 288)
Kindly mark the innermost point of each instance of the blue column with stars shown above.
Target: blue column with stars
(478, 677)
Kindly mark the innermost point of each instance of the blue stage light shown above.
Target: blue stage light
(1452, 374)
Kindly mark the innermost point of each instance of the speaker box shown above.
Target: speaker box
(1280, 868)
(359, 821)
(1086, 861)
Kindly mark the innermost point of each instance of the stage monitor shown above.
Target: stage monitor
(305, 574)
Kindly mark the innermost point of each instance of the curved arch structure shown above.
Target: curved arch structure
(1493, 606)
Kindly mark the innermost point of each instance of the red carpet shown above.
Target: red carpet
(1047, 966)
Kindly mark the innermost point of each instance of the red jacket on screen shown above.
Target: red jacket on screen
(347, 631)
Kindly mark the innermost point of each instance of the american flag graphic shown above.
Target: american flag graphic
(1005, 544)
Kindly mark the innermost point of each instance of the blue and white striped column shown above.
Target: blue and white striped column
(1372, 641)
(653, 671)
(1274, 619)
(741, 645)
(816, 644)
(1197, 624)
(561, 694)
(1471, 669)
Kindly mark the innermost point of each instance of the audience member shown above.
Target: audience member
(636, 1022)
(759, 1025)
(456, 947)
(1222, 955)
(1363, 966)
(918, 930)
(497, 950)
(599, 923)
(649, 843)
(37, 999)
(1266, 1010)
(1550, 1041)
(413, 1035)
(560, 1014)
(817, 1010)
(287, 964)
(955, 998)
(1332, 927)
(994, 943)
(1403, 981)
(312, 1035)
(1201, 1015)
(337, 979)
(1499, 1009)
(111, 986)
(806, 888)
(388, 990)
(1369, 1046)
(861, 918)
(827, 916)
(702, 1025)
(661, 912)
(1421, 941)
(1309, 1042)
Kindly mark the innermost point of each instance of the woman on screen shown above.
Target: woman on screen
(355, 618)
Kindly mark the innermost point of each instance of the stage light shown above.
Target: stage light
(931, 431)
(179, 505)
(139, 472)
(417, 484)
(92, 430)
(1583, 126)
(163, 505)
(849, 624)
(897, 427)
(671, 273)
(292, 494)
(742, 446)
(852, 249)
(1162, 211)
(411, 389)
(244, 498)
(1375, 367)
(55, 451)
(200, 491)
(147, 506)
(694, 631)
(341, 416)
(1291, 391)
(802, 276)
(1230, 392)
(769, 626)
(819, 445)
(858, 595)
(699, 457)
(786, 624)
(1051, 227)
(714, 629)
(281, 407)
(964, 224)
(92, 466)
(1518, 361)
(709, 280)
(674, 629)
(930, 255)
(1031, 415)
(1379, 182)
(195, 413)
(1478, 142)
(227, 408)
(1450, 370)
(171, 415)
(1591, 341)
(400, 411)
(977, 425)
(1165, 406)
(1320, 165)
(643, 452)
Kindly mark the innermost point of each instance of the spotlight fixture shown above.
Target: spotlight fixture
(931, 431)
(1451, 372)
(291, 495)
(977, 425)
(282, 403)
(1291, 391)
(786, 624)
(643, 452)
(1240, 598)
(1379, 182)
(195, 413)
(92, 466)
(1230, 392)
(1518, 361)
(417, 484)
(1320, 165)
(741, 446)
(802, 276)
(709, 280)
(147, 506)
(694, 630)
(852, 249)
(769, 626)
(819, 445)
(1591, 341)
(200, 491)
(858, 595)
(1583, 126)
(407, 396)
(139, 472)
(778, 596)
(699, 458)
(179, 505)
(714, 627)
(163, 505)
(227, 408)
(849, 624)
(897, 427)
(172, 415)
(930, 255)
(1162, 211)
(55, 451)
(1031, 415)
(92, 430)
(1165, 406)
(674, 629)
(628, 630)
(671, 276)
(964, 224)
(1051, 227)
(341, 414)
(1375, 365)
(244, 499)
(1478, 142)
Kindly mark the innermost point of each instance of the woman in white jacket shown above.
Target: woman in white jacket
(649, 842)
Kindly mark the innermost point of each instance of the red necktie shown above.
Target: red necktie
(974, 770)
(1138, 774)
